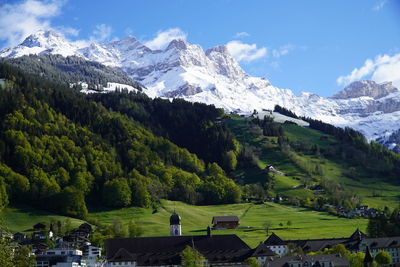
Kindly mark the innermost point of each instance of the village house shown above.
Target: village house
(277, 245)
(60, 257)
(225, 222)
(39, 227)
(42, 235)
(19, 237)
(262, 253)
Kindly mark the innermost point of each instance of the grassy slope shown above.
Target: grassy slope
(195, 219)
(334, 169)
(22, 218)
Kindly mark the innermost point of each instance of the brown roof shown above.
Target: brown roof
(217, 219)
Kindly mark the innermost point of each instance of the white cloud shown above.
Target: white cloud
(378, 6)
(245, 52)
(283, 50)
(101, 33)
(163, 38)
(241, 34)
(67, 31)
(383, 68)
(21, 19)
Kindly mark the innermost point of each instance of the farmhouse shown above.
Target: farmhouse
(39, 227)
(225, 222)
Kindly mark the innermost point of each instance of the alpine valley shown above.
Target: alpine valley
(184, 70)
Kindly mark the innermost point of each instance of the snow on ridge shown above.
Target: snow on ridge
(213, 76)
(111, 87)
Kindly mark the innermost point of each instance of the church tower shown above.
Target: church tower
(175, 224)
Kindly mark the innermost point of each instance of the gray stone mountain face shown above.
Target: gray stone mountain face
(184, 90)
(366, 88)
(224, 63)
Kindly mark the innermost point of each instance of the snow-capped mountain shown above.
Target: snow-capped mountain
(39, 43)
(214, 77)
(366, 88)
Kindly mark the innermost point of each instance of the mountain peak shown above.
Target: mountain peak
(42, 38)
(178, 44)
(224, 63)
(219, 49)
(42, 41)
(366, 88)
(127, 45)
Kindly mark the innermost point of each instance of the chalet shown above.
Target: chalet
(165, 251)
(39, 248)
(42, 235)
(323, 260)
(39, 227)
(85, 227)
(76, 241)
(19, 237)
(225, 222)
(76, 233)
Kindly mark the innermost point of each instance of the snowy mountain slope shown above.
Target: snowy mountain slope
(42, 42)
(214, 77)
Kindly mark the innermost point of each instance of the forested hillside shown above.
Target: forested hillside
(66, 152)
(72, 69)
(194, 126)
(61, 151)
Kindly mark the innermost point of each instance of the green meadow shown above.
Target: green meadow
(195, 219)
(22, 218)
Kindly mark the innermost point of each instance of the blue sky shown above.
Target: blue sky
(311, 45)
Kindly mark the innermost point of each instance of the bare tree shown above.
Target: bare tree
(267, 226)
